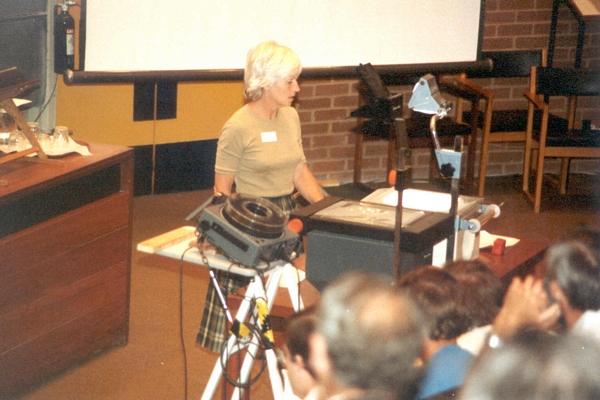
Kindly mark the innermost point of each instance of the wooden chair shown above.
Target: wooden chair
(418, 130)
(558, 140)
(419, 134)
(495, 125)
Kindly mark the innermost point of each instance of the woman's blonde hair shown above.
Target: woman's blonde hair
(266, 63)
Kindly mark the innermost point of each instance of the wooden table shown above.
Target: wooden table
(522, 259)
(65, 262)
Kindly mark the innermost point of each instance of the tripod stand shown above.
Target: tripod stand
(175, 244)
(257, 291)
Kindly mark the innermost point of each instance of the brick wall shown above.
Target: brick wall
(324, 105)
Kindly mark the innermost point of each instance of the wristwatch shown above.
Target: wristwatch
(494, 341)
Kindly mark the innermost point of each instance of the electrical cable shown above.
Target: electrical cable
(49, 99)
(299, 299)
(244, 343)
(251, 325)
(181, 336)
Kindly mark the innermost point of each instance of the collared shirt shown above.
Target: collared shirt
(447, 369)
(588, 325)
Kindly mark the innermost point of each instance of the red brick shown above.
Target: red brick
(346, 101)
(315, 103)
(515, 30)
(498, 44)
(500, 17)
(541, 28)
(327, 140)
(588, 102)
(505, 157)
(344, 126)
(500, 93)
(341, 152)
(532, 42)
(371, 163)
(544, 4)
(516, 4)
(333, 89)
(316, 154)
(585, 165)
(490, 30)
(493, 170)
(315, 128)
(378, 148)
(305, 116)
(327, 166)
(534, 15)
(330, 114)
(307, 90)
(491, 5)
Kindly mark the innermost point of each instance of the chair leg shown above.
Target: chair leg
(526, 167)
(470, 173)
(541, 154)
(358, 157)
(485, 142)
(472, 143)
(528, 147)
(539, 177)
(483, 163)
(564, 175)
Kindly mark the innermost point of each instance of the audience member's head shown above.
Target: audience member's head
(572, 277)
(438, 295)
(576, 270)
(482, 290)
(573, 270)
(298, 329)
(536, 366)
(587, 234)
(367, 339)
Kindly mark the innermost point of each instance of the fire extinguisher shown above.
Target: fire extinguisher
(64, 39)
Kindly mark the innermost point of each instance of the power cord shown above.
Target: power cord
(181, 335)
(49, 100)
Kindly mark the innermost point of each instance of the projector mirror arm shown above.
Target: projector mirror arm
(427, 99)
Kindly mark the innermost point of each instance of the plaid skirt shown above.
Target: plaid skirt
(212, 333)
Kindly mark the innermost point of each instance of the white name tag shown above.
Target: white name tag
(268, 136)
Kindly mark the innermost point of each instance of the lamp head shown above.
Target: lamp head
(427, 99)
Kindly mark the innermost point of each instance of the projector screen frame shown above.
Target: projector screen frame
(391, 74)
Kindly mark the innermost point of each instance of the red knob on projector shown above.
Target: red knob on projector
(392, 177)
(296, 225)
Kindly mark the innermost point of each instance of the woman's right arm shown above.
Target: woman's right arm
(223, 183)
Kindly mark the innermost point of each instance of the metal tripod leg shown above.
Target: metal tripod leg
(231, 345)
(256, 290)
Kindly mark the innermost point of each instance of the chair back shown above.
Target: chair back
(511, 64)
(566, 82)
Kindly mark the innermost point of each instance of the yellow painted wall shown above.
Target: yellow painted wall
(104, 113)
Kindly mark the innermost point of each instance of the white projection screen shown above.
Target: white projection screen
(153, 35)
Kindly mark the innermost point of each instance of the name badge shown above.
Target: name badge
(268, 137)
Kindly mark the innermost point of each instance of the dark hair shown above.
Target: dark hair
(438, 295)
(297, 330)
(482, 291)
(590, 236)
(574, 263)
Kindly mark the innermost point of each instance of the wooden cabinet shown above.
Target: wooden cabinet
(65, 263)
